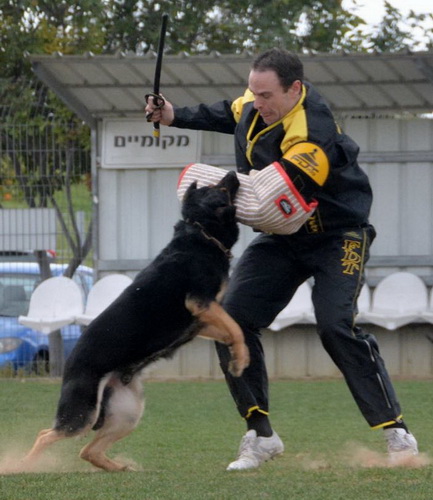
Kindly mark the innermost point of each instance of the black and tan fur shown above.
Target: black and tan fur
(168, 304)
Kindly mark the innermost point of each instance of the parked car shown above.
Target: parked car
(20, 346)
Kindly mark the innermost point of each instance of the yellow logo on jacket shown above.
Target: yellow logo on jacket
(311, 159)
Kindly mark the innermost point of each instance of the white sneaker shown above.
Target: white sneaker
(254, 450)
(400, 443)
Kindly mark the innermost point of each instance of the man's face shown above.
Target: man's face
(271, 100)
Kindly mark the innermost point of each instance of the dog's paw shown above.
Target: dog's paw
(240, 360)
(130, 468)
(233, 369)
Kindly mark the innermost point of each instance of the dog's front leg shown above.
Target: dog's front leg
(220, 326)
(238, 351)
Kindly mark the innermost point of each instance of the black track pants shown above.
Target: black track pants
(264, 281)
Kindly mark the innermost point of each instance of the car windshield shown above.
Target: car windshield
(15, 293)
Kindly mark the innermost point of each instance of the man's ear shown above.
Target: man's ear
(296, 87)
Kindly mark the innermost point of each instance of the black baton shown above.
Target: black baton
(158, 101)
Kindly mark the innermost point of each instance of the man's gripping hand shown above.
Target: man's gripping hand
(158, 109)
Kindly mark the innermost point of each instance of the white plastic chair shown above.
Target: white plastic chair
(399, 299)
(54, 303)
(427, 315)
(101, 295)
(299, 310)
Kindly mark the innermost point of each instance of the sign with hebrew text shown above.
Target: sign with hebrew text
(129, 143)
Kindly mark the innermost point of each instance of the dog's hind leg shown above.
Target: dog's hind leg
(94, 452)
(77, 411)
(45, 438)
(220, 326)
(122, 413)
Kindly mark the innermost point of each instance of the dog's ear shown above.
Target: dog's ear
(230, 182)
(192, 187)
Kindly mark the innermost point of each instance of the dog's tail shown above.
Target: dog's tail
(79, 404)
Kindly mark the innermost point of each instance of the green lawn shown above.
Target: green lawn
(80, 194)
(190, 432)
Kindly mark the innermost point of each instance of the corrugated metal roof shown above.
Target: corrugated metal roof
(114, 85)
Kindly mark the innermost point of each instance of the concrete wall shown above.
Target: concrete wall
(296, 352)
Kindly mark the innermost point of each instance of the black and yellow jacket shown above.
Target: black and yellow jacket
(319, 158)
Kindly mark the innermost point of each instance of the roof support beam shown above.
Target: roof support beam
(75, 105)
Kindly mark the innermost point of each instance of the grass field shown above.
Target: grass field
(190, 432)
(80, 194)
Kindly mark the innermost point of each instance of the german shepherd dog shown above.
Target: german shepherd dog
(170, 302)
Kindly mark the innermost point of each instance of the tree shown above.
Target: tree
(226, 26)
(393, 33)
(39, 159)
(230, 26)
(396, 33)
(44, 27)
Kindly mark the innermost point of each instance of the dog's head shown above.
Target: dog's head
(213, 208)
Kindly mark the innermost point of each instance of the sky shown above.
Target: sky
(373, 10)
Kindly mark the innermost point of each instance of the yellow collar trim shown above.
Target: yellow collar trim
(286, 118)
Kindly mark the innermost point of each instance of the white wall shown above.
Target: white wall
(138, 207)
(402, 185)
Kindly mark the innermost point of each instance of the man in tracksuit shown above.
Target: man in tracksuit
(283, 119)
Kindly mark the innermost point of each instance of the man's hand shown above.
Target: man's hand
(157, 113)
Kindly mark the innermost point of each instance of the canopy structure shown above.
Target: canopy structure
(98, 86)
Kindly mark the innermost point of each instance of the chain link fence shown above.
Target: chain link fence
(45, 230)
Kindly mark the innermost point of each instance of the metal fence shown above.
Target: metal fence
(45, 230)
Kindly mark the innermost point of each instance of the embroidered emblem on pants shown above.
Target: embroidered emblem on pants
(351, 261)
